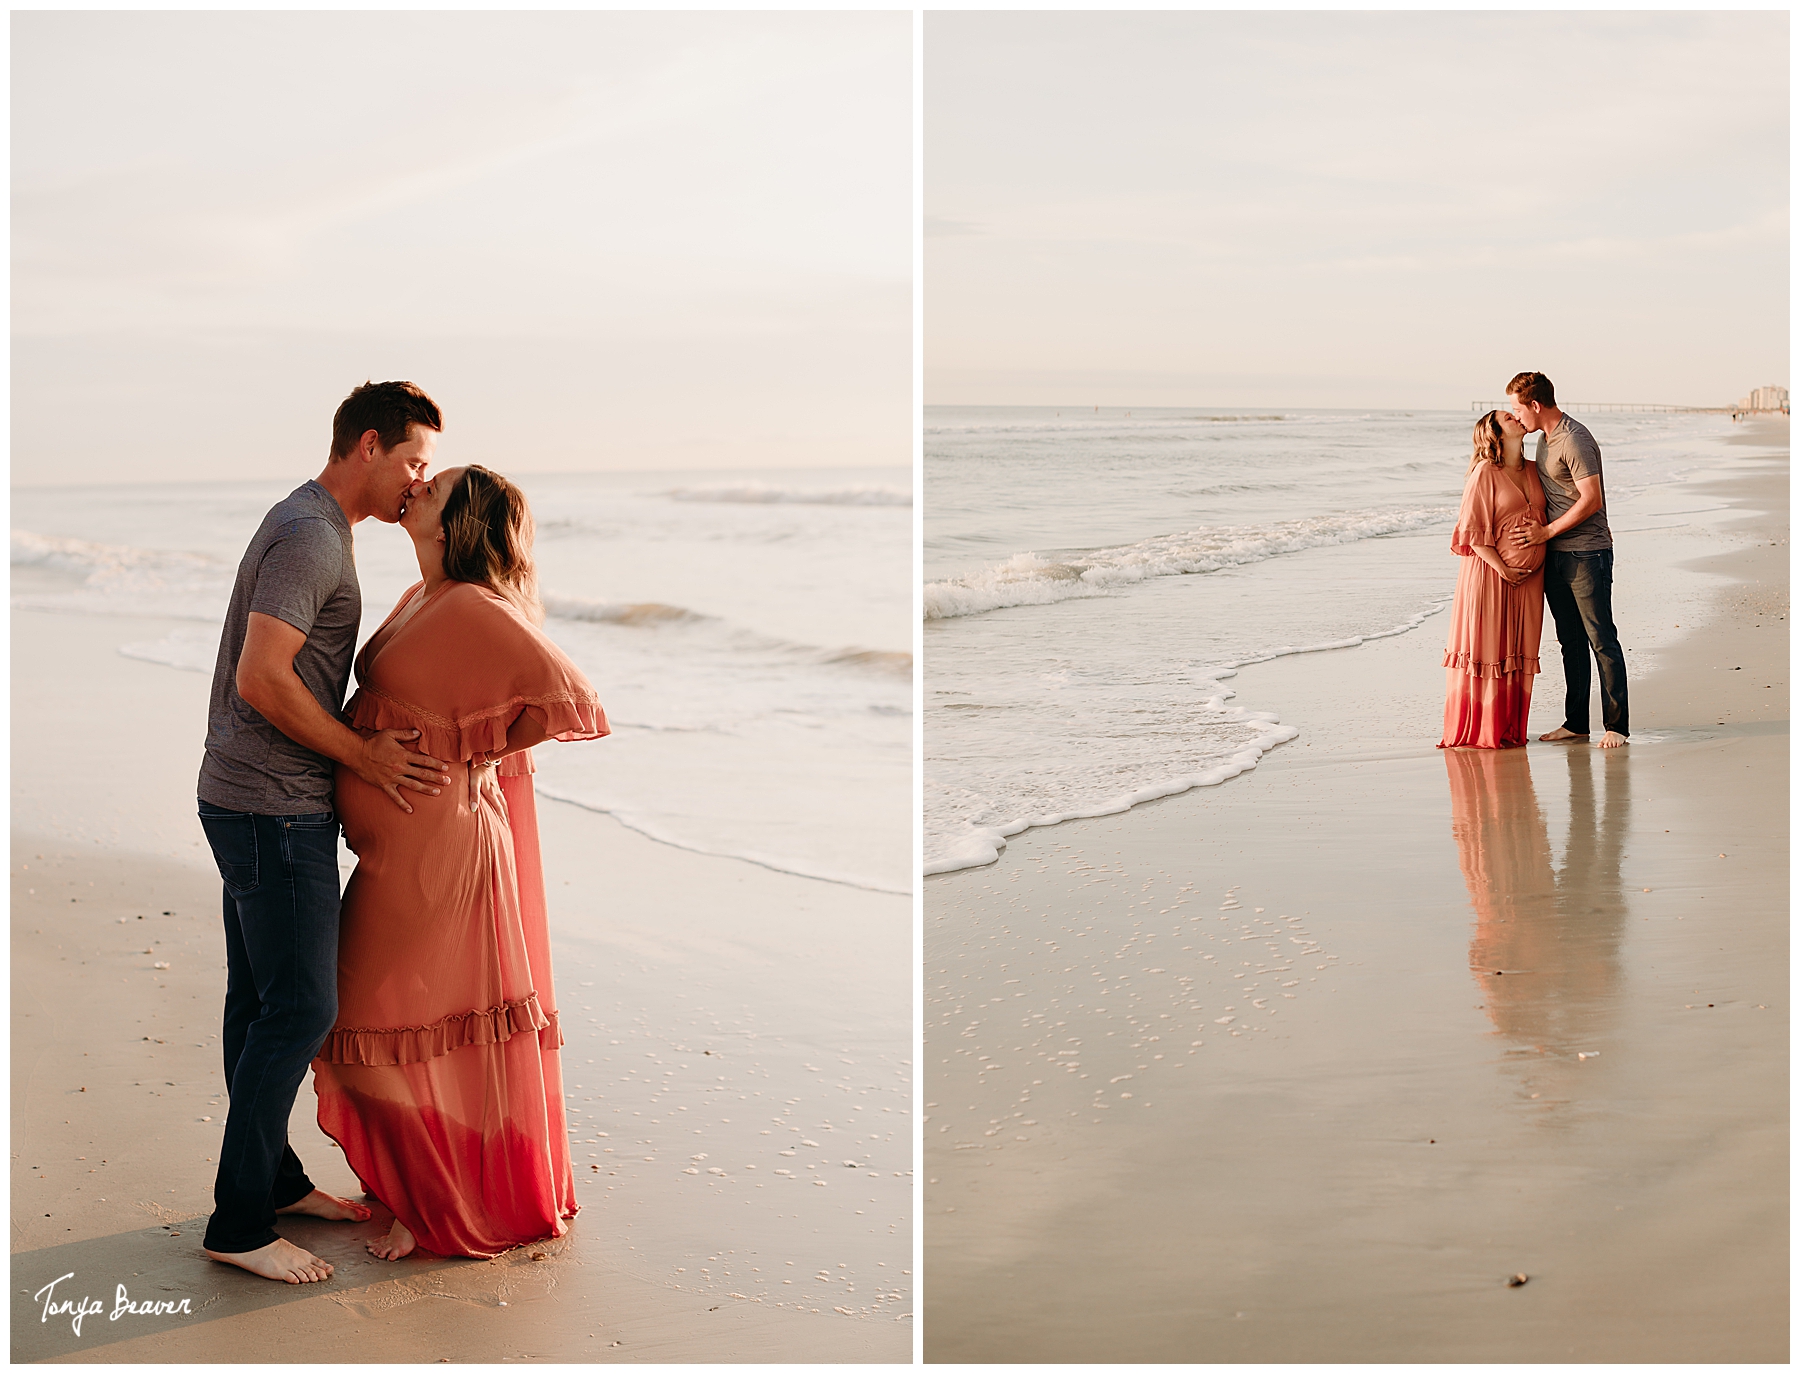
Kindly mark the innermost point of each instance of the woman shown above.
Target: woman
(441, 1079)
(1498, 619)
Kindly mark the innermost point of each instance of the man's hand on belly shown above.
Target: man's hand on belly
(387, 763)
(267, 681)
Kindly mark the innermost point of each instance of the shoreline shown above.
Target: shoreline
(1246, 681)
(1380, 1024)
(724, 986)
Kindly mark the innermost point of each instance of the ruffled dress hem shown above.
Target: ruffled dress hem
(416, 1044)
(1515, 663)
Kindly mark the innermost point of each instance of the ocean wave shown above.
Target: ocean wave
(1026, 579)
(895, 661)
(724, 635)
(761, 494)
(83, 576)
(619, 612)
(85, 557)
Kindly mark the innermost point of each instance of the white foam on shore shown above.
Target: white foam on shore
(981, 844)
(191, 650)
(973, 844)
(1026, 579)
(633, 820)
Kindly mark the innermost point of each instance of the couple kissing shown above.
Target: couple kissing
(1530, 533)
(421, 997)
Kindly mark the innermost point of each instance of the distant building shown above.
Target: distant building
(1766, 398)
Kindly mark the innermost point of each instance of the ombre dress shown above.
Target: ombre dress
(442, 1077)
(1495, 629)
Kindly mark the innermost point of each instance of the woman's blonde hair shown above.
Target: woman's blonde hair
(488, 534)
(1488, 435)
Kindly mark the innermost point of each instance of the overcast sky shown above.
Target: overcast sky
(601, 241)
(1347, 209)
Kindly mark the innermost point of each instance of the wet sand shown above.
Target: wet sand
(724, 1023)
(1306, 1066)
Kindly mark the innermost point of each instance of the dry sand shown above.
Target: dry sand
(1304, 1067)
(717, 1014)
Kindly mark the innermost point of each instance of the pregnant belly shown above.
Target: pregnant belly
(374, 826)
(1524, 557)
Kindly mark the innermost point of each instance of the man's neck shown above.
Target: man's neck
(1552, 417)
(339, 481)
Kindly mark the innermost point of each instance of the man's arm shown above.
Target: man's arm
(1588, 499)
(267, 680)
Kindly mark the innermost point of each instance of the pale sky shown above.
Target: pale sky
(1354, 209)
(602, 241)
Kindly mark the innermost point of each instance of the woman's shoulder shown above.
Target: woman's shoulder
(480, 599)
(476, 604)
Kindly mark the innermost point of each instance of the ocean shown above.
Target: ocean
(749, 634)
(1095, 577)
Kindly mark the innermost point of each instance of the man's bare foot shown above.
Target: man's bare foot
(319, 1203)
(396, 1243)
(1612, 739)
(281, 1260)
(1558, 735)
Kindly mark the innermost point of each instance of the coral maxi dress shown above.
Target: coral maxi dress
(1492, 653)
(442, 1079)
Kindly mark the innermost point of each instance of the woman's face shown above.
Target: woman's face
(1509, 424)
(424, 513)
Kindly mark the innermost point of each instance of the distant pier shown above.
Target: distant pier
(1765, 400)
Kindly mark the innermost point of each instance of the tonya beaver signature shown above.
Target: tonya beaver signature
(78, 1308)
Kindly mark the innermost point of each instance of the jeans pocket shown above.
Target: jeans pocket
(318, 820)
(233, 840)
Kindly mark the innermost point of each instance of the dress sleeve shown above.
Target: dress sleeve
(464, 676)
(1477, 522)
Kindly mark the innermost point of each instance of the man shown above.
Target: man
(265, 794)
(1579, 562)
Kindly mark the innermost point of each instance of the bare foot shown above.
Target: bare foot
(1612, 739)
(319, 1203)
(396, 1243)
(280, 1259)
(1558, 735)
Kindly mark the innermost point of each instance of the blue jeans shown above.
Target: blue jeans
(281, 945)
(1578, 588)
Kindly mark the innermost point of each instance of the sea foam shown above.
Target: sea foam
(1026, 579)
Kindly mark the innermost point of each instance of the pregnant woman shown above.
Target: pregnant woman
(442, 1079)
(1497, 621)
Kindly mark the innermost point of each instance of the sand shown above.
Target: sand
(717, 1015)
(1306, 1066)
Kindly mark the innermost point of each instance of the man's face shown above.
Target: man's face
(1528, 414)
(398, 468)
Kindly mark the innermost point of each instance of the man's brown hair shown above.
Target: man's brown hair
(388, 408)
(1533, 388)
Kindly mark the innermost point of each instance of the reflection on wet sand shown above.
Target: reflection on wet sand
(1545, 951)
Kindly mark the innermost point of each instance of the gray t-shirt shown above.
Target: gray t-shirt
(300, 568)
(1563, 454)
